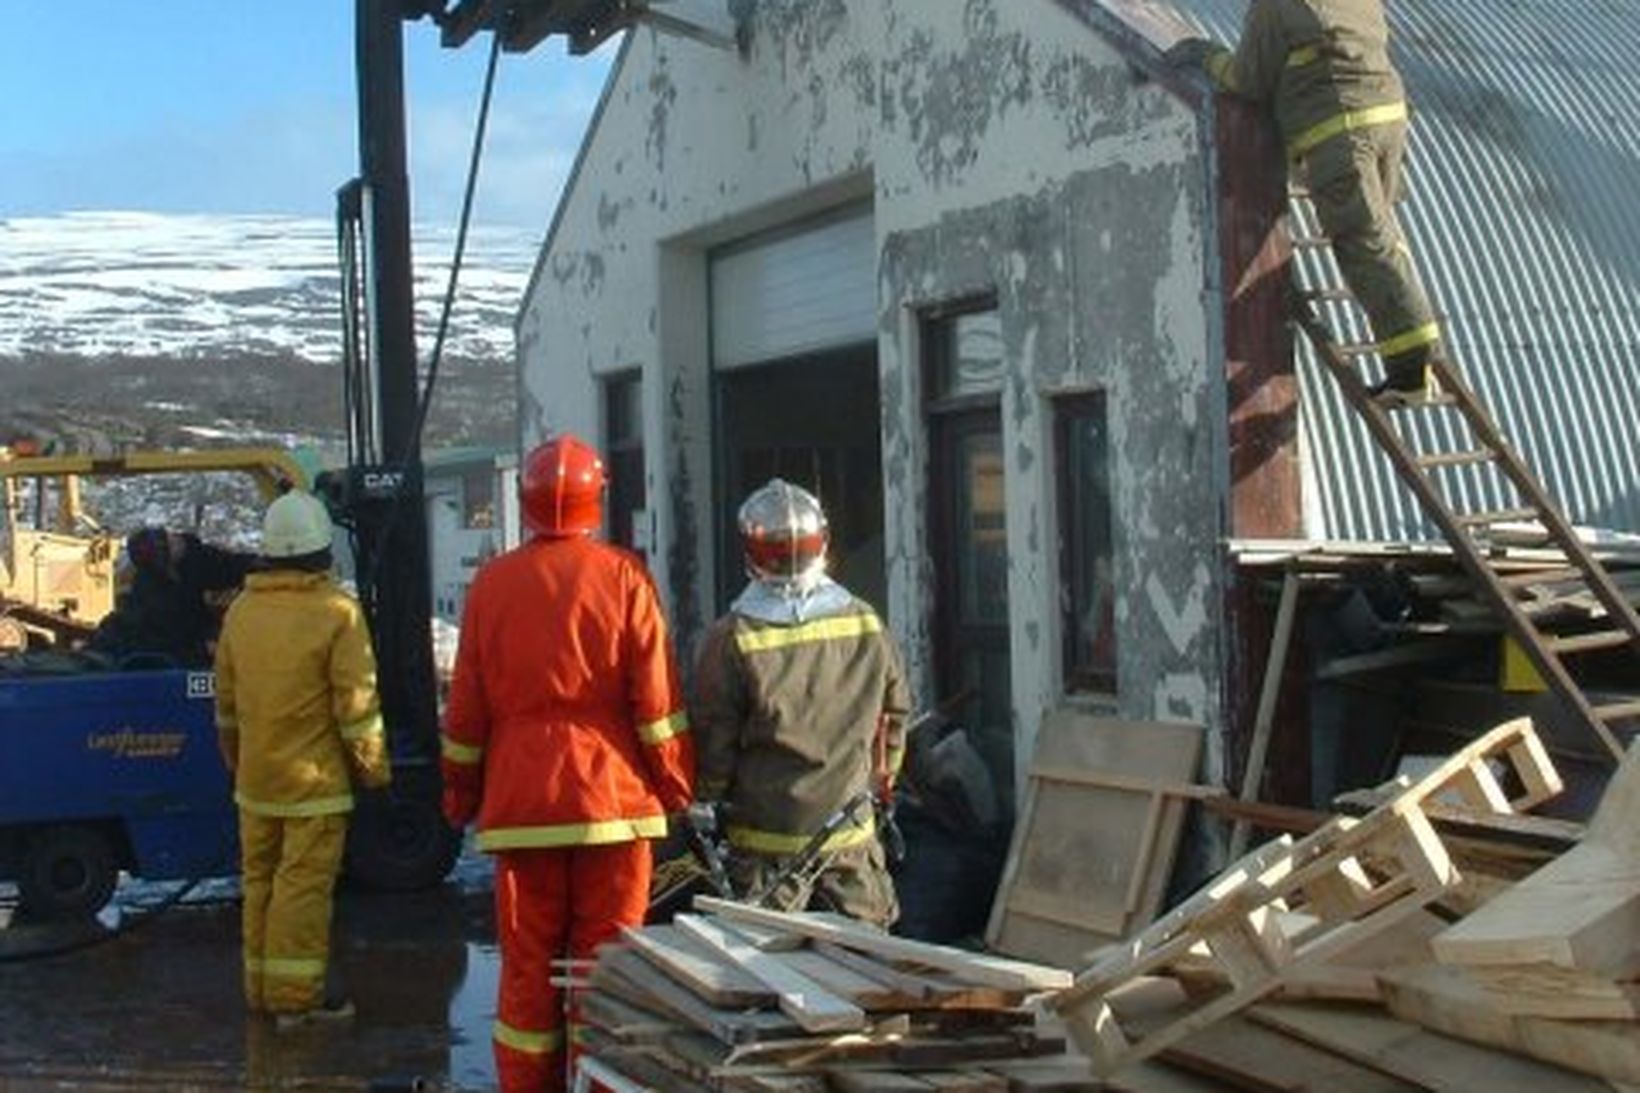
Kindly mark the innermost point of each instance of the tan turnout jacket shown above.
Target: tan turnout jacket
(793, 720)
(296, 705)
(1322, 65)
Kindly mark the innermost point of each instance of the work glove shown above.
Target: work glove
(703, 817)
(1188, 52)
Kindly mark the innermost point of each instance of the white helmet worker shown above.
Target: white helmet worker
(295, 525)
(784, 533)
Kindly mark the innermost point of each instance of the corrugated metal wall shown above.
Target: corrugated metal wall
(1524, 213)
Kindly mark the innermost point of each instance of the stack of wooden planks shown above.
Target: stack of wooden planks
(737, 998)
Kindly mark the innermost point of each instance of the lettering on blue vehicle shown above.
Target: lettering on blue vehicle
(201, 684)
(138, 743)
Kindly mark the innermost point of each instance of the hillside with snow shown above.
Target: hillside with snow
(99, 284)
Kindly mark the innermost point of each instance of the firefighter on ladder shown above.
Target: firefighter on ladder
(1323, 69)
(566, 739)
(800, 706)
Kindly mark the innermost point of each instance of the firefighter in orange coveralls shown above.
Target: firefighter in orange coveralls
(299, 722)
(1323, 68)
(800, 705)
(565, 737)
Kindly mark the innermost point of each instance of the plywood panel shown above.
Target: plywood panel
(1096, 836)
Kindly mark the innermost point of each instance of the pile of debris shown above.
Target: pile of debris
(1445, 939)
(746, 999)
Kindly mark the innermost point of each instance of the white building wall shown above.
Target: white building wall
(1007, 148)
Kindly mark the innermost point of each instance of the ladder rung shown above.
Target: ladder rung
(1588, 643)
(1501, 516)
(1457, 459)
(1617, 711)
(1312, 242)
(1358, 349)
(1328, 295)
(1541, 576)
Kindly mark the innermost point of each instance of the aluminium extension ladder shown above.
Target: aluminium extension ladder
(1467, 531)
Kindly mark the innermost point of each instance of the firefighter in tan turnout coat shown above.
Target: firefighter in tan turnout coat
(1323, 69)
(800, 705)
(299, 723)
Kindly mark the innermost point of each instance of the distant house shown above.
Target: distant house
(1009, 296)
(472, 515)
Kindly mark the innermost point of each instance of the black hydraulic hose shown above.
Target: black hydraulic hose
(424, 404)
(461, 236)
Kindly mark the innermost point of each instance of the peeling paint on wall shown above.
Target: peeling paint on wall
(1012, 153)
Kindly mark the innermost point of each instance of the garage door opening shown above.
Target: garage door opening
(814, 421)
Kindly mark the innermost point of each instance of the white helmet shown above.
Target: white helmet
(296, 524)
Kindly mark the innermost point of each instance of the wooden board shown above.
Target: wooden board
(969, 966)
(1248, 1056)
(1369, 1036)
(799, 997)
(1446, 1000)
(922, 990)
(705, 972)
(1097, 833)
(1581, 911)
(1544, 990)
(629, 977)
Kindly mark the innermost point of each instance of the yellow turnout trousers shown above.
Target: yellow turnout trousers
(288, 875)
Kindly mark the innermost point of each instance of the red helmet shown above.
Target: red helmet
(562, 488)
(783, 531)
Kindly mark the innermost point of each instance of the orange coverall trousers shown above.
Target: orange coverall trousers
(552, 904)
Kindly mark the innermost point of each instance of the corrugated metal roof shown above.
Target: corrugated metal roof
(1524, 213)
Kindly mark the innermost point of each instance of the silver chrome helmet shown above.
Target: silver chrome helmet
(783, 532)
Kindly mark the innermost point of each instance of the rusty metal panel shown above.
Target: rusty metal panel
(1523, 172)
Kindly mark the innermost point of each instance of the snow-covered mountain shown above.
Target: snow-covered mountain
(189, 286)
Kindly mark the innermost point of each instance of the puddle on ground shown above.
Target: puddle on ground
(132, 999)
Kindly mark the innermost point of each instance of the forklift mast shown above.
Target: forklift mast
(399, 841)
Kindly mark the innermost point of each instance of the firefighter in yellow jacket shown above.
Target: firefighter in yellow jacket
(1323, 69)
(299, 723)
(800, 706)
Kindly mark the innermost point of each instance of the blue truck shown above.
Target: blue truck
(107, 772)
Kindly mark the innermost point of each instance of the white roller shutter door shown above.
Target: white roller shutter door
(795, 291)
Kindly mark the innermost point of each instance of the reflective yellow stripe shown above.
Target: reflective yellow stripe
(1221, 69)
(293, 967)
(457, 752)
(849, 626)
(530, 1043)
(319, 806)
(774, 842)
(1418, 336)
(367, 726)
(1344, 123)
(656, 732)
(585, 834)
(1303, 55)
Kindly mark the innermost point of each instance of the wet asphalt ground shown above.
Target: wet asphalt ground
(151, 1002)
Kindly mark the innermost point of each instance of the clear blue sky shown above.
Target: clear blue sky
(250, 106)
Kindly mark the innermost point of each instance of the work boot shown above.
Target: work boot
(335, 1008)
(1405, 388)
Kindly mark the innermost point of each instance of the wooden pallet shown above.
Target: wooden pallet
(1352, 878)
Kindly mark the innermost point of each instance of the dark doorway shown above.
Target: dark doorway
(815, 421)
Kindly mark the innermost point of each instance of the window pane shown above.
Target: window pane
(623, 458)
(982, 546)
(1087, 577)
(623, 412)
(969, 354)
